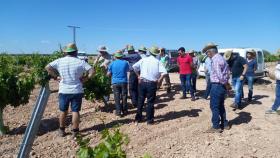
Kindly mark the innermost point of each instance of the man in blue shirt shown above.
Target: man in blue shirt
(118, 70)
(252, 67)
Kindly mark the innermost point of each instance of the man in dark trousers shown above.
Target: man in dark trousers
(118, 70)
(151, 71)
(219, 84)
(132, 57)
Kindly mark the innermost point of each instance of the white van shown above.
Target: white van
(260, 72)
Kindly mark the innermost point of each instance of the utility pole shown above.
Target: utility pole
(74, 32)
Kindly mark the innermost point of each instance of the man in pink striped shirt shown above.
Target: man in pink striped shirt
(219, 77)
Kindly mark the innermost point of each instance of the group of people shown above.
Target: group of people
(141, 73)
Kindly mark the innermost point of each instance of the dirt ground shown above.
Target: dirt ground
(179, 130)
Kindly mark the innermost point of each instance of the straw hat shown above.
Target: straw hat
(102, 49)
(252, 51)
(118, 54)
(154, 50)
(130, 48)
(71, 47)
(143, 49)
(209, 46)
(228, 54)
(191, 52)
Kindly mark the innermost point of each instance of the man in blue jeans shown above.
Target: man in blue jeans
(151, 71)
(207, 70)
(195, 66)
(71, 70)
(252, 67)
(238, 67)
(219, 78)
(118, 69)
(132, 57)
(276, 103)
(185, 64)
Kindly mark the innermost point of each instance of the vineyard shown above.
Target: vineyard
(20, 74)
(179, 130)
(18, 77)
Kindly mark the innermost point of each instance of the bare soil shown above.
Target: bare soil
(178, 132)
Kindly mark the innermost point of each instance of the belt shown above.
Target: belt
(147, 81)
(217, 83)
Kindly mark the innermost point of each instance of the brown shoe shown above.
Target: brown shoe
(214, 130)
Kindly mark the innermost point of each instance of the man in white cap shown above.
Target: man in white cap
(71, 70)
(104, 57)
(151, 71)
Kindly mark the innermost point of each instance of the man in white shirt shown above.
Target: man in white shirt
(151, 71)
(276, 104)
(104, 57)
(71, 70)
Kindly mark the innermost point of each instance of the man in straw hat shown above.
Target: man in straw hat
(219, 79)
(185, 69)
(71, 70)
(238, 67)
(104, 57)
(118, 69)
(151, 71)
(164, 59)
(143, 52)
(132, 57)
(252, 67)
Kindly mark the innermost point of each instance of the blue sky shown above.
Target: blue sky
(40, 25)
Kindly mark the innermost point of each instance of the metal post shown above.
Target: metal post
(74, 35)
(74, 32)
(34, 123)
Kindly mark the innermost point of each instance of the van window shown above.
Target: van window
(260, 57)
(234, 54)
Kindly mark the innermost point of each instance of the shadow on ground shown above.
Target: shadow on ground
(255, 101)
(102, 126)
(46, 125)
(179, 114)
(243, 117)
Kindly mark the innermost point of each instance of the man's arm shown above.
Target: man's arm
(51, 71)
(245, 68)
(255, 66)
(136, 67)
(97, 59)
(162, 71)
